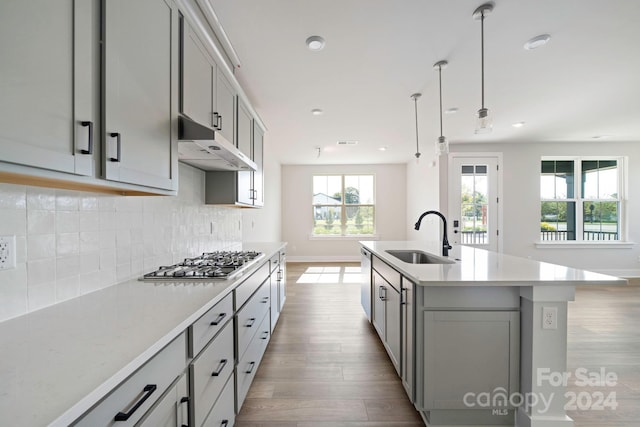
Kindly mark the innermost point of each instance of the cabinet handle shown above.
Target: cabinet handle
(224, 423)
(265, 300)
(403, 298)
(380, 289)
(221, 366)
(218, 319)
(118, 146)
(265, 336)
(214, 120)
(147, 391)
(89, 149)
(186, 400)
(219, 122)
(250, 322)
(251, 366)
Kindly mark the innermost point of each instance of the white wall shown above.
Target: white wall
(264, 224)
(521, 203)
(70, 243)
(297, 218)
(422, 195)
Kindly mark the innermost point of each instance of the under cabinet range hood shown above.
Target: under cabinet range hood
(206, 149)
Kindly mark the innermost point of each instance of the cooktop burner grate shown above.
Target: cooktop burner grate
(217, 265)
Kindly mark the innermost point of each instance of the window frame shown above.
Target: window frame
(579, 201)
(343, 208)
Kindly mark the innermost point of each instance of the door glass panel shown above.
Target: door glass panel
(474, 205)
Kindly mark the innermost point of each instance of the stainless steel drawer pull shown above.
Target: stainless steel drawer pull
(186, 400)
(218, 319)
(221, 366)
(251, 366)
(118, 138)
(146, 392)
(251, 322)
(89, 149)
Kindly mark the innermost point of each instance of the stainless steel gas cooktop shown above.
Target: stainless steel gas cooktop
(219, 265)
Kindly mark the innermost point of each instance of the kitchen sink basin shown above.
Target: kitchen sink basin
(418, 257)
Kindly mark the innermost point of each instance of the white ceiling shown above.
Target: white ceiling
(584, 82)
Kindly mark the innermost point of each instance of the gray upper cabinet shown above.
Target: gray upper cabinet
(199, 75)
(46, 84)
(225, 107)
(258, 157)
(139, 92)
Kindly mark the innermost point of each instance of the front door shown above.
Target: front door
(473, 201)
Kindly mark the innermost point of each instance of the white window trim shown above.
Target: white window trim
(622, 242)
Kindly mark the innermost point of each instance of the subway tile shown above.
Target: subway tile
(41, 271)
(67, 222)
(89, 221)
(89, 263)
(13, 196)
(67, 244)
(42, 295)
(106, 203)
(89, 241)
(107, 259)
(107, 221)
(40, 221)
(41, 198)
(89, 282)
(14, 222)
(66, 200)
(68, 266)
(13, 292)
(88, 203)
(123, 255)
(67, 288)
(123, 238)
(41, 246)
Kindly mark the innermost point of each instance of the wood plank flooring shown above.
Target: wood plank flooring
(326, 367)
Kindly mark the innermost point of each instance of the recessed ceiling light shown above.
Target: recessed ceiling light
(315, 43)
(537, 41)
(518, 125)
(347, 142)
(382, 148)
(451, 110)
(317, 112)
(601, 136)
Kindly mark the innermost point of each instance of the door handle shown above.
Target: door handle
(89, 149)
(118, 138)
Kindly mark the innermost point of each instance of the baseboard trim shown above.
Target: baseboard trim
(336, 258)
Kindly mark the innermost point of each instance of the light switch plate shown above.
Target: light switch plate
(7, 252)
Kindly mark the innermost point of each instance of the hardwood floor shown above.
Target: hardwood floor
(326, 367)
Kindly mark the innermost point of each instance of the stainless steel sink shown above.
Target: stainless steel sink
(418, 257)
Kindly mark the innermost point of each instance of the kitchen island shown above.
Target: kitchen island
(478, 337)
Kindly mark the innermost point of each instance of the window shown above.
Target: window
(343, 205)
(580, 199)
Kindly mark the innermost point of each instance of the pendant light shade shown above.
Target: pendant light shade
(415, 97)
(442, 144)
(484, 122)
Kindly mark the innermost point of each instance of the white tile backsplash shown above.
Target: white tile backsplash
(70, 243)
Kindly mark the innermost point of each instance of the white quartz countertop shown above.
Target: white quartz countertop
(479, 267)
(57, 362)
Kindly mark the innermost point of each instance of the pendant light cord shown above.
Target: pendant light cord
(482, 53)
(415, 101)
(440, 80)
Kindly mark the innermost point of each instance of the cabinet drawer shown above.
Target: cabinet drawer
(250, 315)
(389, 274)
(210, 371)
(275, 262)
(223, 413)
(206, 327)
(248, 365)
(249, 286)
(139, 392)
(171, 410)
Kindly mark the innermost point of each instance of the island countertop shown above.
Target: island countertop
(479, 267)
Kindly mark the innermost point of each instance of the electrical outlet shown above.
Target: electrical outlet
(549, 317)
(7, 252)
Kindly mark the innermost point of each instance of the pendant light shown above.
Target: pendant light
(415, 97)
(442, 144)
(484, 122)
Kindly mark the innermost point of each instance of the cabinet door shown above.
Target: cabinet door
(172, 409)
(282, 280)
(408, 339)
(140, 72)
(47, 85)
(469, 351)
(392, 327)
(258, 157)
(198, 81)
(225, 101)
(245, 124)
(378, 316)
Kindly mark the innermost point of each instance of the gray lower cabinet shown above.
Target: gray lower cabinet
(223, 413)
(386, 316)
(407, 316)
(171, 410)
(140, 92)
(49, 83)
(282, 280)
(249, 362)
(468, 352)
(129, 402)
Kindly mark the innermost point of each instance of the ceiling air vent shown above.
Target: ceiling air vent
(352, 142)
